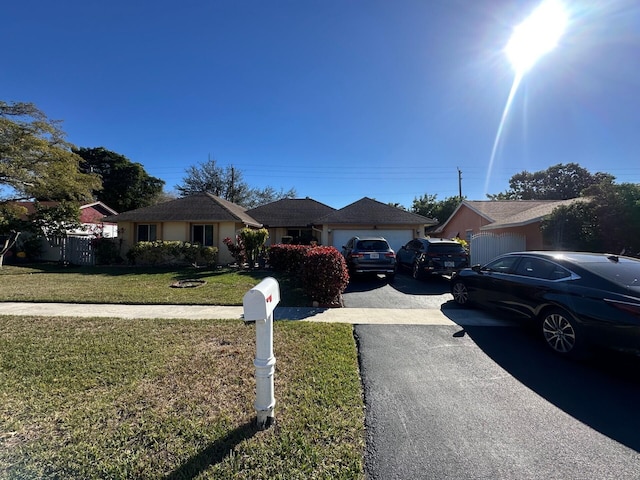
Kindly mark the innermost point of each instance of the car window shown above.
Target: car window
(446, 248)
(373, 245)
(539, 268)
(415, 245)
(501, 265)
(626, 273)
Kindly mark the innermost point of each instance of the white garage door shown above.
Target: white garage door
(396, 238)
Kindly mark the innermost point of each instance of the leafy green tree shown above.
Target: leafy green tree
(35, 160)
(607, 221)
(573, 227)
(428, 206)
(559, 182)
(36, 163)
(126, 184)
(227, 183)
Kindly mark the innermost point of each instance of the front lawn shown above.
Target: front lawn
(112, 398)
(136, 285)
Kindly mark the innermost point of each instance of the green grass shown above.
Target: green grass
(112, 398)
(136, 285)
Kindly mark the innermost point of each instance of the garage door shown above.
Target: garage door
(396, 238)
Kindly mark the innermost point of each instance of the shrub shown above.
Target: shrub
(237, 249)
(106, 250)
(171, 253)
(324, 274)
(253, 240)
(287, 258)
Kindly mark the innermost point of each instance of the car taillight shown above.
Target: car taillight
(357, 255)
(632, 308)
(390, 255)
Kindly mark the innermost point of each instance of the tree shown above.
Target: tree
(50, 221)
(227, 183)
(559, 182)
(607, 221)
(36, 163)
(35, 160)
(126, 185)
(428, 206)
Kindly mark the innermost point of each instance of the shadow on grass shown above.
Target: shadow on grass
(214, 453)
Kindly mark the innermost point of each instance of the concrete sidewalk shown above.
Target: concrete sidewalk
(381, 316)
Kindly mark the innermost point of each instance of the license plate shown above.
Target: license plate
(449, 264)
(374, 255)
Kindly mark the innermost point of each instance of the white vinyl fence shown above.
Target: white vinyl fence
(485, 246)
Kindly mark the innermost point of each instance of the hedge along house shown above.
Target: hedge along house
(292, 220)
(202, 218)
(368, 217)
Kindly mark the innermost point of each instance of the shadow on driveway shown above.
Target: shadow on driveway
(603, 392)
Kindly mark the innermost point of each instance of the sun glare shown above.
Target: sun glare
(536, 35)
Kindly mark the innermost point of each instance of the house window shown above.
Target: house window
(147, 233)
(202, 234)
(301, 236)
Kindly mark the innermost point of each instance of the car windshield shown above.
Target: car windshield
(372, 245)
(626, 274)
(446, 248)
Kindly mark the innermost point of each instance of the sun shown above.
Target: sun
(537, 35)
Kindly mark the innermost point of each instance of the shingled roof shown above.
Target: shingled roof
(512, 213)
(202, 207)
(290, 212)
(369, 211)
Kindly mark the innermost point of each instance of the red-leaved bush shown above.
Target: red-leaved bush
(287, 258)
(324, 274)
(322, 270)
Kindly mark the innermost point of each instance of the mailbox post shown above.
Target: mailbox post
(259, 304)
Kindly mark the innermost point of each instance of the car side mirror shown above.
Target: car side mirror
(477, 268)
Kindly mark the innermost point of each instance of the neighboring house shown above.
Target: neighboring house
(92, 218)
(368, 217)
(292, 220)
(522, 217)
(93, 224)
(202, 218)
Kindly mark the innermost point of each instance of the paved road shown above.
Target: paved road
(493, 403)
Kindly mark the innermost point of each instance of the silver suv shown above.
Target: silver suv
(370, 255)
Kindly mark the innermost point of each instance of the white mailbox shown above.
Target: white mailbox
(261, 300)
(259, 304)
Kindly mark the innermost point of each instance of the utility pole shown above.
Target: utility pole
(459, 183)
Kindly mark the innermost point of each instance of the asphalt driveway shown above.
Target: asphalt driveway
(487, 402)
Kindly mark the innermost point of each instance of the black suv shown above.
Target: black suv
(369, 255)
(432, 256)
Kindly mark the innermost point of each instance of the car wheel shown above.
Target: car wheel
(460, 293)
(561, 333)
(415, 271)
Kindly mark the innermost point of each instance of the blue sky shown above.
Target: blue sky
(337, 99)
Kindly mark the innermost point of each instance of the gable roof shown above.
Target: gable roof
(369, 211)
(511, 213)
(290, 212)
(98, 209)
(201, 207)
